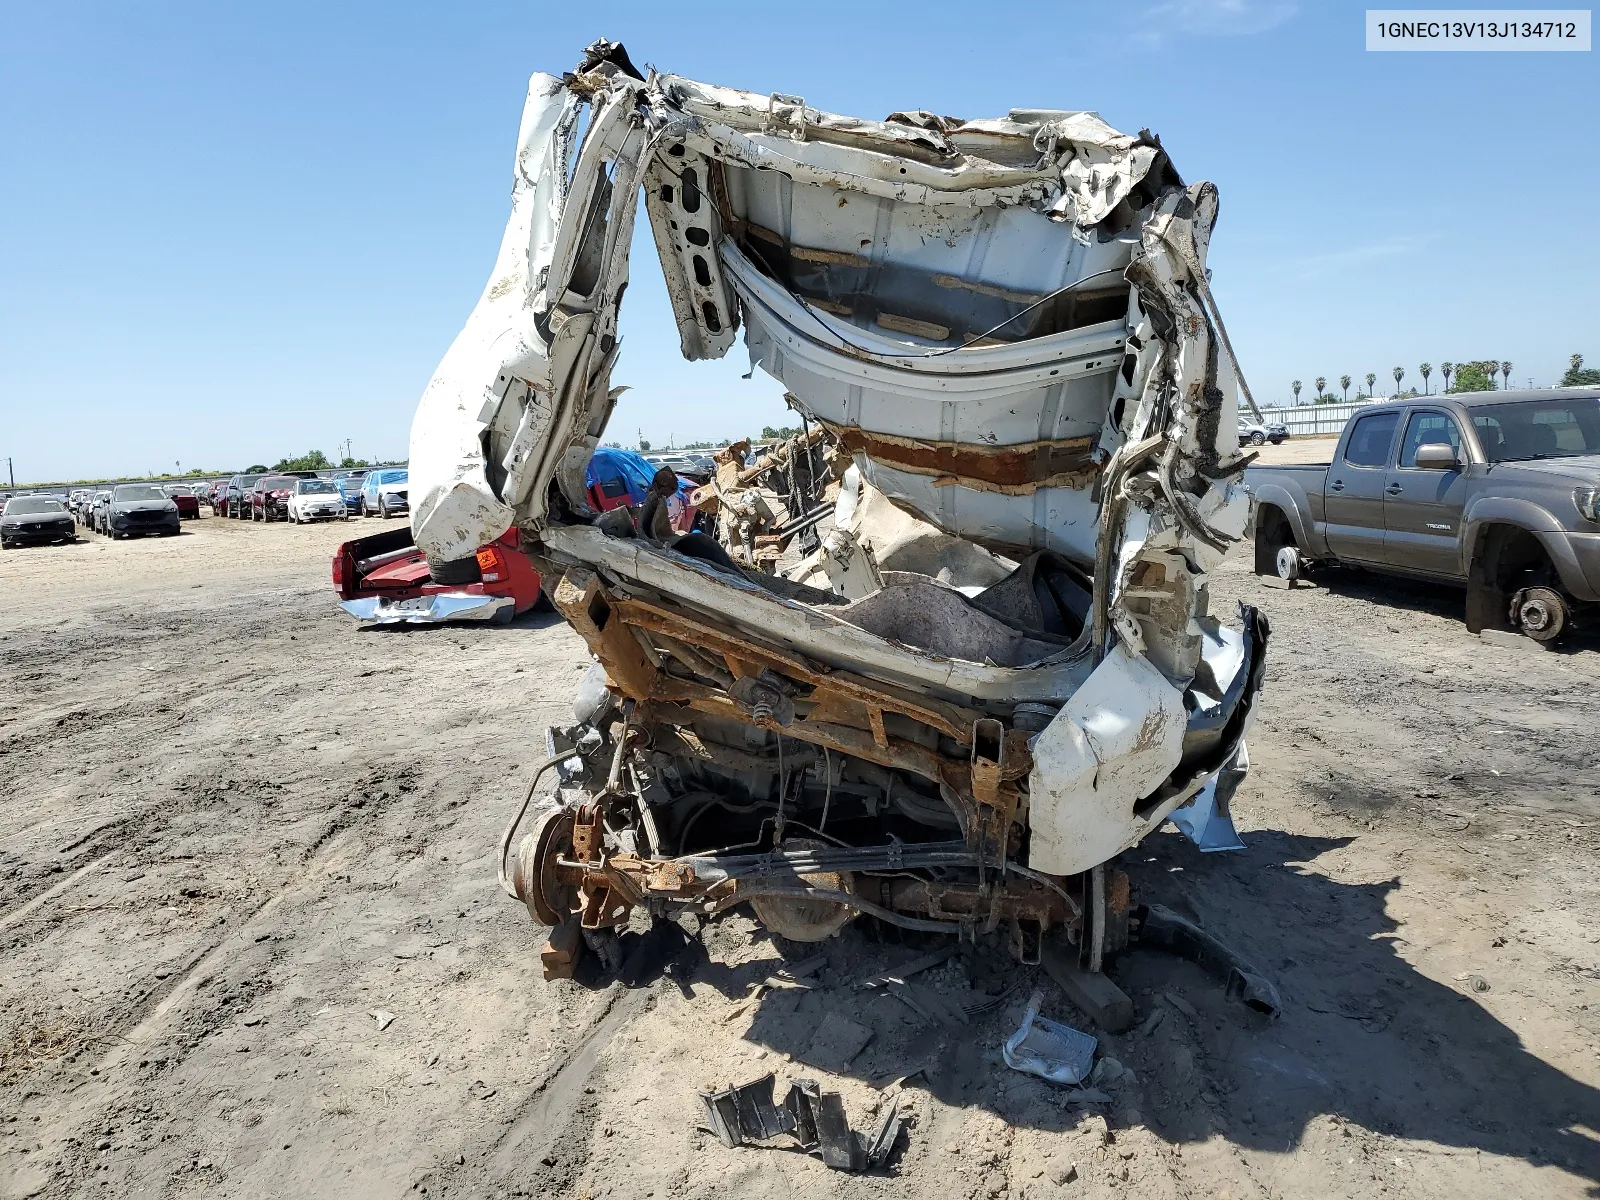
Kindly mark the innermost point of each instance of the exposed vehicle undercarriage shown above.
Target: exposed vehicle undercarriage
(973, 659)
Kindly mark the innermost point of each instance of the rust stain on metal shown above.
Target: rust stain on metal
(1020, 468)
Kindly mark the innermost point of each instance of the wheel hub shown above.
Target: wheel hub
(1540, 613)
(1288, 563)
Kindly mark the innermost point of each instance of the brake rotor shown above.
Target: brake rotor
(1288, 563)
(535, 875)
(1540, 612)
(804, 920)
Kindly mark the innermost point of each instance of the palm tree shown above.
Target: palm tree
(1296, 386)
(1505, 373)
(1447, 369)
(1344, 384)
(1371, 380)
(1576, 362)
(1426, 369)
(1399, 374)
(1321, 385)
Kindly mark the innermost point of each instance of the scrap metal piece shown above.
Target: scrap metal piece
(880, 1144)
(817, 1120)
(821, 1115)
(1048, 1048)
(1164, 929)
(1207, 819)
(746, 1113)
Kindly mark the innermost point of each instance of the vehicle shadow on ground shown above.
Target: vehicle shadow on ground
(1365, 1038)
(1434, 599)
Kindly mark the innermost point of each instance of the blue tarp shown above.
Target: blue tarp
(611, 464)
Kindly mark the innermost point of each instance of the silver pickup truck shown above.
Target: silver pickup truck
(1498, 491)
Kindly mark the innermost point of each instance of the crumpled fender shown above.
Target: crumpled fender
(1113, 743)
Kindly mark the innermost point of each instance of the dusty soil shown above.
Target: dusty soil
(233, 828)
(1317, 449)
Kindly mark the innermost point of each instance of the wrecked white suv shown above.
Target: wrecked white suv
(1004, 326)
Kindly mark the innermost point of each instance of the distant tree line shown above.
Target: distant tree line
(1476, 376)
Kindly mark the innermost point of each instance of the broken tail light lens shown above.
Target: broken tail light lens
(491, 565)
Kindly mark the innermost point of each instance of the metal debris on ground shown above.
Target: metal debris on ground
(903, 972)
(1048, 1048)
(816, 1119)
(791, 975)
(836, 1043)
(1163, 929)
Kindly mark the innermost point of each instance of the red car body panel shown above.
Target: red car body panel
(389, 565)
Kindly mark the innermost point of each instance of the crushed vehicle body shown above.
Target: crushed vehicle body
(992, 664)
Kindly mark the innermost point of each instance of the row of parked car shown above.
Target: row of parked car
(130, 509)
(136, 509)
(305, 496)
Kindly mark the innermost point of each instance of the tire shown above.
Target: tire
(1258, 438)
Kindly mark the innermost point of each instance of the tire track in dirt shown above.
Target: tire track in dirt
(20, 913)
(114, 1076)
(554, 1108)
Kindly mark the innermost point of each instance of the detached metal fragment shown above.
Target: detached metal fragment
(1164, 929)
(816, 1119)
(942, 656)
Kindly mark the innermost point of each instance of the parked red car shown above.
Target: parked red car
(269, 498)
(183, 496)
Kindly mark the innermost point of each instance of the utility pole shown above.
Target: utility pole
(11, 470)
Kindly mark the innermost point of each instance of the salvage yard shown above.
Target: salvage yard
(252, 943)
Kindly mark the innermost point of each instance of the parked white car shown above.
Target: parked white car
(316, 500)
(1259, 434)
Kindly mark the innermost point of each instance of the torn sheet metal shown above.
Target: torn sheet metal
(1207, 818)
(1004, 329)
(1048, 1048)
(816, 1119)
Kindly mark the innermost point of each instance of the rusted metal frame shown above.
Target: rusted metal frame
(582, 599)
(780, 454)
(951, 720)
(898, 755)
(1028, 902)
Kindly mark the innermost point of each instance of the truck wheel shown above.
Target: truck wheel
(1258, 438)
(1288, 563)
(1540, 613)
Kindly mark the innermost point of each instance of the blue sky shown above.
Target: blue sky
(234, 232)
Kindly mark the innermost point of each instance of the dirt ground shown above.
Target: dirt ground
(251, 941)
